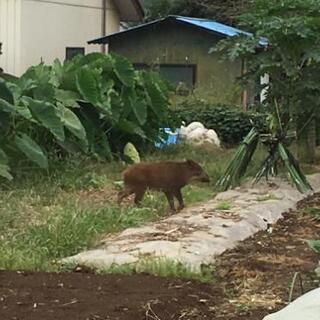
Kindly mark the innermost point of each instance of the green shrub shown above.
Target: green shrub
(92, 104)
(230, 123)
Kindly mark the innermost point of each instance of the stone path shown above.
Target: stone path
(197, 234)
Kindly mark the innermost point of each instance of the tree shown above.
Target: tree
(223, 11)
(292, 59)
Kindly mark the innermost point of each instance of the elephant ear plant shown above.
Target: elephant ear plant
(93, 104)
(277, 141)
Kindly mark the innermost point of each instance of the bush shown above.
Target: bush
(92, 104)
(230, 123)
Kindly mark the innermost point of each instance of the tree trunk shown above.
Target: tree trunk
(306, 129)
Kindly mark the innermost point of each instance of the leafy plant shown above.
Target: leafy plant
(92, 104)
(314, 245)
(314, 212)
(276, 142)
(221, 10)
(285, 45)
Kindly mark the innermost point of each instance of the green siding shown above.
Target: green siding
(179, 44)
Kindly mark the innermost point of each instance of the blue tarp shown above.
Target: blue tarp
(172, 138)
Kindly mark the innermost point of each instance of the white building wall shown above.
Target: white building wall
(40, 30)
(10, 35)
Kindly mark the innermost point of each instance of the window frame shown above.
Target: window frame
(174, 65)
(82, 49)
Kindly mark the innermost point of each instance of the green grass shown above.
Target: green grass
(267, 197)
(314, 212)
(48, 215)
(163, 267)
(224, 205)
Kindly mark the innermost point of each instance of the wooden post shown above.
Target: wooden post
(244, 94)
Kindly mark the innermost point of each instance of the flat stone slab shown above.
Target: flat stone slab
(199, 233)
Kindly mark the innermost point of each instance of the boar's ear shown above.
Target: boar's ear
(191, 163)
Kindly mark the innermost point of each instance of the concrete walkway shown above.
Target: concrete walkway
(197, 234)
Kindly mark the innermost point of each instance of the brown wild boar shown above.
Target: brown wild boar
(167, 176)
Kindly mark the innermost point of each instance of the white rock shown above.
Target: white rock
(307, 307)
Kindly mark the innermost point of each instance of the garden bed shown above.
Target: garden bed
(250, 281)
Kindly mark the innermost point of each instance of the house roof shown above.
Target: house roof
(129, 10)
(210, 26)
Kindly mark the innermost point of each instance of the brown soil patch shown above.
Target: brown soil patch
(252, 280)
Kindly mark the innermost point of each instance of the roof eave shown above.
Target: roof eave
(106, 39)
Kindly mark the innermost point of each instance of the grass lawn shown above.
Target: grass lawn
(45, 216)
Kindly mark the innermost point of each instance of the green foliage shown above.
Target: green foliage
(221, 10)
(314, 212)
(291, 58)
(314, 245)
(92, 104)
(277, 152)
(230, 123)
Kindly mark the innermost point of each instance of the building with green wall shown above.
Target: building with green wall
(179, 48)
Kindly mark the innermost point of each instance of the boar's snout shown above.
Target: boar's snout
(197, 171)
(204, 177)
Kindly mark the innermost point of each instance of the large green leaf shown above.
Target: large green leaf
(88, 85)
(314, 245)
(90, 58)
(67, 97)
(24, 111)
(5, 171)
(131, 127)
(47, 115)
(101, 146)
(57, 69)
(44, 92)
(3, 157)
(155, 96)
(124, 70)
(73, 147)
(72, 122)
(140, 110)
(32, 150)
(15, 90)
(6, 106)
(5, 93)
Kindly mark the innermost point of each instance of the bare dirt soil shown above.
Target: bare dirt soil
(251, 281)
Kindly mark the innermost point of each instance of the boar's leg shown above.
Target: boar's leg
(123, 194)
(139, 193)
(170, 199)
(178, 195)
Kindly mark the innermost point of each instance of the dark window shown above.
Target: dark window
(72, 52)
(175, 73)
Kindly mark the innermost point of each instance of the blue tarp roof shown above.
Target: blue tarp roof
(212, 26)
(204, 24)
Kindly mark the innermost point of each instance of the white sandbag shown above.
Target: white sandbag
(307, 307)
(198, 134)
(183, 132)
(194, 125)
(213, 137)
